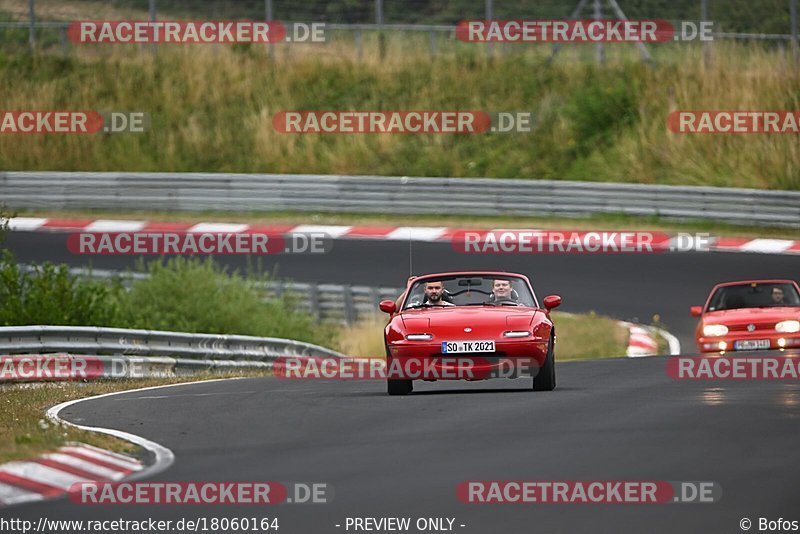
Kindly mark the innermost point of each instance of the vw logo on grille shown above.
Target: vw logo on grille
(468, 329)
(751, 327)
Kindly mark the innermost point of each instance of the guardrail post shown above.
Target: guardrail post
(359, 50)
(706, 45)
(32, 23)
(268, 16)
(313, 300)
(379, 23)
(152, 11)
(349, 308)
(793, 10)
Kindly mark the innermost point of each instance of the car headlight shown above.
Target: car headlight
(516, 333)
(419, 337)
(788, 326)
(715, 330)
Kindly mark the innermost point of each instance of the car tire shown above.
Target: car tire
(399, 387)
(545, 379)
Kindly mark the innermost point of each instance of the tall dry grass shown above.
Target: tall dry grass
(212, 107)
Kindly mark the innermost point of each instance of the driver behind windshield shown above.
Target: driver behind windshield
(434, 293)
(501, 290)
(777, 297)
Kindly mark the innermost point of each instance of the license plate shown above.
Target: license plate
(455, 347)
(751, 344)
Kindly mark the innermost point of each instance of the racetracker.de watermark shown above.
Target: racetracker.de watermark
(734, 368)
(402, 122)
(193, 243)
(576, 242)
(193, 32)
(734, 122)
(582, 31)
(73, 122)
(407, 368)
(51, 367)
(203, 493)
(588, 492)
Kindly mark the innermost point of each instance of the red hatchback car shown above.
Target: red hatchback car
(469, 326)
(749, 315)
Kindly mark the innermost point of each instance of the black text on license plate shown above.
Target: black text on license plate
(751, 344)
(455, 347)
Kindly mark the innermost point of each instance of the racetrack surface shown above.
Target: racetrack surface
(404, 456)
(625, 286)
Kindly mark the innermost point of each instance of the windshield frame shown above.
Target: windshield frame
(722, 287)
(454, 276)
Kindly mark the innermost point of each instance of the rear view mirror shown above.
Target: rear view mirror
(388, 306)
(696, 311)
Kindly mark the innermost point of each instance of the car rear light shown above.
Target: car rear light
(516, 333)
(715, 330)
(419, 337)
(788, 327)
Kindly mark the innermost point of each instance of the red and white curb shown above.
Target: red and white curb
(390, 233)
(642, 340)
(52, 475)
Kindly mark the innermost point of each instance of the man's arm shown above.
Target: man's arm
(399, 300)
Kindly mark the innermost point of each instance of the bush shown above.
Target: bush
(50, 295)
(193, 295)
(184, 295)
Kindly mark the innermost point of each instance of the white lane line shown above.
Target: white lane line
(26, 224)
(125, 464)
(333, 231)
(15, 495)
(43, 474)
(767, 246)
(84, 465)
(416, 233)
(150, 397)
(218, 228)
(163, 456)
(110, 225)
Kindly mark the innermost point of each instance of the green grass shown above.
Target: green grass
(212, 111)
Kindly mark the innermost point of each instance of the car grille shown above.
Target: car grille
(743, 327)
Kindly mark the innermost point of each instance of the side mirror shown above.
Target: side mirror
(552, 301)
(696, 311)
(388, 306)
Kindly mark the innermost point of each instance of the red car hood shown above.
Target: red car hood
(751, 315)
(475, 317)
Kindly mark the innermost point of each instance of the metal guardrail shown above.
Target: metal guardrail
(393, 195)
(337, 303)
(125, 342)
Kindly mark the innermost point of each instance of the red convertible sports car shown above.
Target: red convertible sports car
(469, 326)
(749, 315)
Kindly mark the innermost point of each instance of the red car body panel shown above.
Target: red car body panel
(761, 321)
(486, 323)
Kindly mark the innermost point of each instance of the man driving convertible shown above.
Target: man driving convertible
(502, 291)
(435, 294)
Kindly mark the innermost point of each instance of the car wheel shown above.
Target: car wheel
(399, 387)
(545, 379)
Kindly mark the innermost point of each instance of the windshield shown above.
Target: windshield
(468, 290)
(755, 295)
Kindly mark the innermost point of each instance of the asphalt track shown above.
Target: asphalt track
(403, 457)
